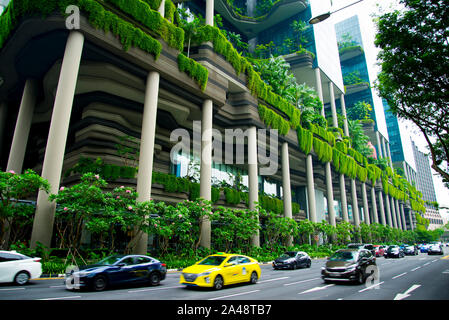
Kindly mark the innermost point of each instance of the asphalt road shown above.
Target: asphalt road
(419, 277)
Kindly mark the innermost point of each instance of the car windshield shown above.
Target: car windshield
(110, 260)
(212, 261)
(343, 256)
(393, 248)
(289, 255)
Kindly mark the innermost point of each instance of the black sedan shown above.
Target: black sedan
(116, 270)
(394, 252)
(292, 260)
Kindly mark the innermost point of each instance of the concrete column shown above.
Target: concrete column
(343, 111)
(379, 145)
(404, 222)
(311, 189)
(286, 186)
(253, 178)
(387, 204)
(410, 217)
(355, 205)
(319, 88)
(384, 149)
(374, 205)
(57, 137)
(206, 168)
(146, 153)
(398, 213)
(344, 203)
(161, 9)
(393, 212)
(330, 194)
(365, 204)
(389, 155)
(209, 12)
(22, 129)
(381, 207)
(333, 107)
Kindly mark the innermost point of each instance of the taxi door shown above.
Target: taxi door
(232, 271)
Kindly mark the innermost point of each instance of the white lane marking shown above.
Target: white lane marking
(12, 289)
(302, 281)
(414, 269)
(234, 295)
(273, 279)
(62, 286)
(60, 298)
(370, 287)
(406, 294)
(425, 264)
(434, 260)
(153, 289)
(317, 289)
(399, 275)
(446, 271)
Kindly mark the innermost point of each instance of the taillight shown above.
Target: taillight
(164, 265)
(37, 259)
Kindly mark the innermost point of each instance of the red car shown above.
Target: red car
(379, 250)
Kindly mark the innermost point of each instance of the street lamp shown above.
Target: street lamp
(326, 15)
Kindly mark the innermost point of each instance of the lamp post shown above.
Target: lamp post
(326, 15)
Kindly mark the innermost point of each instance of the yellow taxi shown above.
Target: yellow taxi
(218, 270)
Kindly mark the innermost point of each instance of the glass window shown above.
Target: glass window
(212, 260)
(143, 260)
(234, 260)
(128, 261)
(6, 257)
(243, 260)
(343, 256)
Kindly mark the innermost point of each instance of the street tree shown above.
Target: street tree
(414, 80)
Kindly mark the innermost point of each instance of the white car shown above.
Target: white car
(18, 268)
(435, 249)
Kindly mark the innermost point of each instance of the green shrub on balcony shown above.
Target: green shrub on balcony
(273, 120)
(198, 72)
(305, 140)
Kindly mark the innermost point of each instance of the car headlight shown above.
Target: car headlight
(351, 267)
(204, 274)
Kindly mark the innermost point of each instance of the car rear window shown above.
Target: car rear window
(6, 257)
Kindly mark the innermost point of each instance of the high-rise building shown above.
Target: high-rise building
(358, 78)
(402, 151)
(424, 184)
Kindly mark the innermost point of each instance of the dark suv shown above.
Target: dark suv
(349, 265)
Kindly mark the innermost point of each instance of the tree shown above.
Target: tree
(14, 216)
(358, 137)
(414, 55)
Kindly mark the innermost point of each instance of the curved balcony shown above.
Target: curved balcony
(251, 26)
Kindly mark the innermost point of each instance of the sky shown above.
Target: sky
(365, 9)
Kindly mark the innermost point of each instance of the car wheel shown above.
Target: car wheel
(99, 283)
(154, 278)
(218, 282)
(22, 278)
(360, 278)
(253, 279)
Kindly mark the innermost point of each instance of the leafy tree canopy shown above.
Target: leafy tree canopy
(414, 80)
